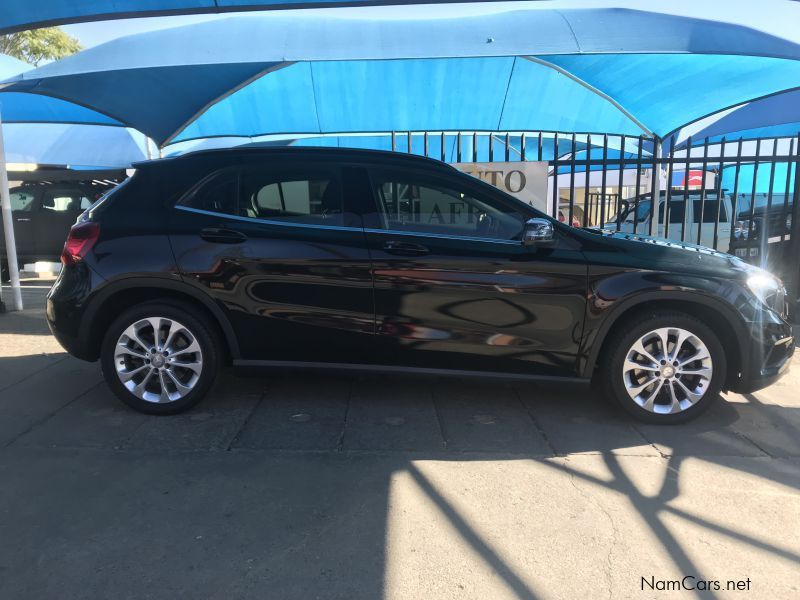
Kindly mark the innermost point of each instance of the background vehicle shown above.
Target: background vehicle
(43, 213)
(334, 258)
(762, 232)
(694, 214)
(577, 215)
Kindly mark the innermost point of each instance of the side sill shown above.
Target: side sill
(360, 368)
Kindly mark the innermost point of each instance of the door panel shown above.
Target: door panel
(459, 301)
(481, 305)
(295, 291)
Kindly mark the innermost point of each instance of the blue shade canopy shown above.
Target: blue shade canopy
(490, 94)
(774, 116)
(48, 131)
(29, 108)
(317, 72)
(76, 146)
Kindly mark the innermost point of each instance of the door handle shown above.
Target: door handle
(217, 235)
(405, 248)
(23, 219)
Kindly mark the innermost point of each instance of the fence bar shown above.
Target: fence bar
(425, 144)
(655, 184)
(687, 168)
(555, 177)
(668, 195)
(753, 196)
(794, 277)
(621, 173)
(508, 144)
(522, 147)
(603, 189)
(394, 141)
(720, 193)
(458, 149)
(540, 147)
(444, 143)
(586, 175)
(765, 221)
(409, 142)
(638, 183)
(785, 209)
(474, 146)
(702, 193)
(572, 182)
(735, 203)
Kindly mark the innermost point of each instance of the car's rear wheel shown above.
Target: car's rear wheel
(159, 357)
(663, 367)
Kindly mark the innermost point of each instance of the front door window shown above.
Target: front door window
(429, 206)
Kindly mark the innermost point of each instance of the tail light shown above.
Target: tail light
(80, 240)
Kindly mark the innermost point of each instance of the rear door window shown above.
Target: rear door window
(218, 193)
(309, 196)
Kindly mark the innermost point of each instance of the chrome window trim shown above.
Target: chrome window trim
(443, 236)
(265, 221)
(343, 228)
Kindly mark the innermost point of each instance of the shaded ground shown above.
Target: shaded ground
(309, 486)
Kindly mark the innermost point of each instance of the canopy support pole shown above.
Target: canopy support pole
(8, 226)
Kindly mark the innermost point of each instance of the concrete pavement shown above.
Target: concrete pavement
(318, 486)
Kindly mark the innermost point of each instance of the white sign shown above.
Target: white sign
(524, 180)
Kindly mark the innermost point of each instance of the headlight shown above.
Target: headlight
(769, 290)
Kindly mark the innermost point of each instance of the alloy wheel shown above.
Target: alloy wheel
(158, 360)
(667, 370)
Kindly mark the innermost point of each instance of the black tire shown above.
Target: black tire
(200, 329)
(627, 332)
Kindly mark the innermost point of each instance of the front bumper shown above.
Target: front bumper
(771, 349)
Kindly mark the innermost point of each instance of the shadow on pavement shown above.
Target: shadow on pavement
(308, 485)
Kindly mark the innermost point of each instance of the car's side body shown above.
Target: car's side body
(359, 288)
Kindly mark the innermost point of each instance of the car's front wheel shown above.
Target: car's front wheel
(159, 357)
(663, 366)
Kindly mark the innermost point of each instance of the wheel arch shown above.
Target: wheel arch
(722, 319)
(122, 294)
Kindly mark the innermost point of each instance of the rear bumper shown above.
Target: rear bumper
(65, 309)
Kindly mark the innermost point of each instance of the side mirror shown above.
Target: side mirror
(538, 232)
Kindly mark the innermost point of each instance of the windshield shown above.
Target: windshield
(638, 210)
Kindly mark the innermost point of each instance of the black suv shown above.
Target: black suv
(43, 213)
(301, 257)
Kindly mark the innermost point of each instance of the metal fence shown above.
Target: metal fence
(737, 196)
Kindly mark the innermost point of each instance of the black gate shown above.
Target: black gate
(737, 196)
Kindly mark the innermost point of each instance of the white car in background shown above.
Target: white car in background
(696, 214)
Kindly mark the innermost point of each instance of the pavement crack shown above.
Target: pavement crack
(439, 419)
(536, 423)
(649, 442)
(608, 567)
(51, 414)
(340, 442)
(244, 424)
